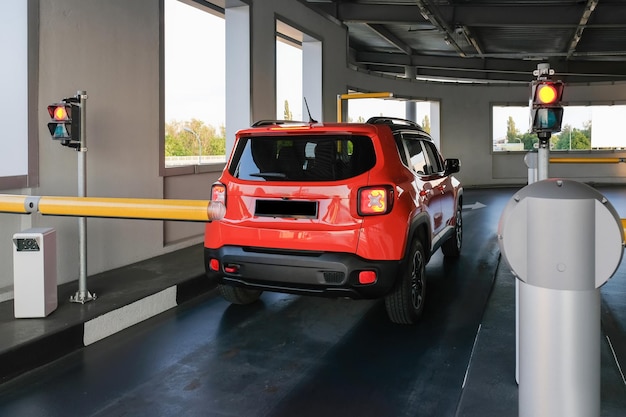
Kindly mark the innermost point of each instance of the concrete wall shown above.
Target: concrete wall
(111, 49)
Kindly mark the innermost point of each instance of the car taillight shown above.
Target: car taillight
(367, 277)
(218, 193)
(214, 264)
(374, 200)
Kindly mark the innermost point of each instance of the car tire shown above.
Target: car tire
(237, 295)
(451, 248)
(405, 303)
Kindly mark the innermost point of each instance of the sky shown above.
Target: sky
(289, 85)
(194, 65)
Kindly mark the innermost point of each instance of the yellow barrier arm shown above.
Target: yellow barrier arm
(13, 204)
(124, 208)
(587, 160)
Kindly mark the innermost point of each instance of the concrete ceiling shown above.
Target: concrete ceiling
(484, 40)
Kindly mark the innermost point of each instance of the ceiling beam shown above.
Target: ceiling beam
(395, 41)
(584, 18)
(371, 13)
(484, 15)
(472, 67)
(431, 13)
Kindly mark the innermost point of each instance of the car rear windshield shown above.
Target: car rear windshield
(302, 158)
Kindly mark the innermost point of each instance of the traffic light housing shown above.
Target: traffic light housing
(546, 111)
(65, 123)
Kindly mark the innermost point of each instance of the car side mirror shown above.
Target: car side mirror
(451, 166)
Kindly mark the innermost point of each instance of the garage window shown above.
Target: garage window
(195, 80)
(288, 72)
(19, 157)
(583, 128)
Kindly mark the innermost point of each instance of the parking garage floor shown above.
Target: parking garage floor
(193, 354)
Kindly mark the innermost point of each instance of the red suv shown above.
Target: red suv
(334, 209)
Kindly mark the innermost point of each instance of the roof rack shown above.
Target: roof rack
(393, 121)
(270, 122)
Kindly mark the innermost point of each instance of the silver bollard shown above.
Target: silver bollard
(564, 240)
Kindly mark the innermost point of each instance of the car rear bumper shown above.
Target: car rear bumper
(327, 274)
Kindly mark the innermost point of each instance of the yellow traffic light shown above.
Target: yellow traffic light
(546, 112)
(546, 93)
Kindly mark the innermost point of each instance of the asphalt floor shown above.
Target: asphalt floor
(469, 335)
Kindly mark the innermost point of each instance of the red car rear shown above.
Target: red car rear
(334, 210)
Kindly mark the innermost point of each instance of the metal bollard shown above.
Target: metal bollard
(563, 240)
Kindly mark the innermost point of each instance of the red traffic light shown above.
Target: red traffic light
(60, 112)
(65, 123)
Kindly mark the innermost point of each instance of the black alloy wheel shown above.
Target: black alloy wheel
(405, 303)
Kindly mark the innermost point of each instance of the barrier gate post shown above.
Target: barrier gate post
(563, 240)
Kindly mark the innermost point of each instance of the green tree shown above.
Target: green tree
(512, 134)
(580, 140)
(586, 130)
(287, 112)
(529, 140)
(174, 147)
(572, 138)
(179, 142)
(562, 141)
(426, 123)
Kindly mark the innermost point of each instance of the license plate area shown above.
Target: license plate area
(286, 208)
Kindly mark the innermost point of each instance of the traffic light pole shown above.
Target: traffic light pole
(82, 295)
(543, 156)
(543, 160)
(543, 153)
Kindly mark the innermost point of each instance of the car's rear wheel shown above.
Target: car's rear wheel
(405, 303)
(452, 247)
(237, 295)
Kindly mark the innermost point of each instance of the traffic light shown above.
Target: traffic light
(546, 111)
(65, 124)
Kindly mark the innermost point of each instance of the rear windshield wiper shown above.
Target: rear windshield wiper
(268, 175)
